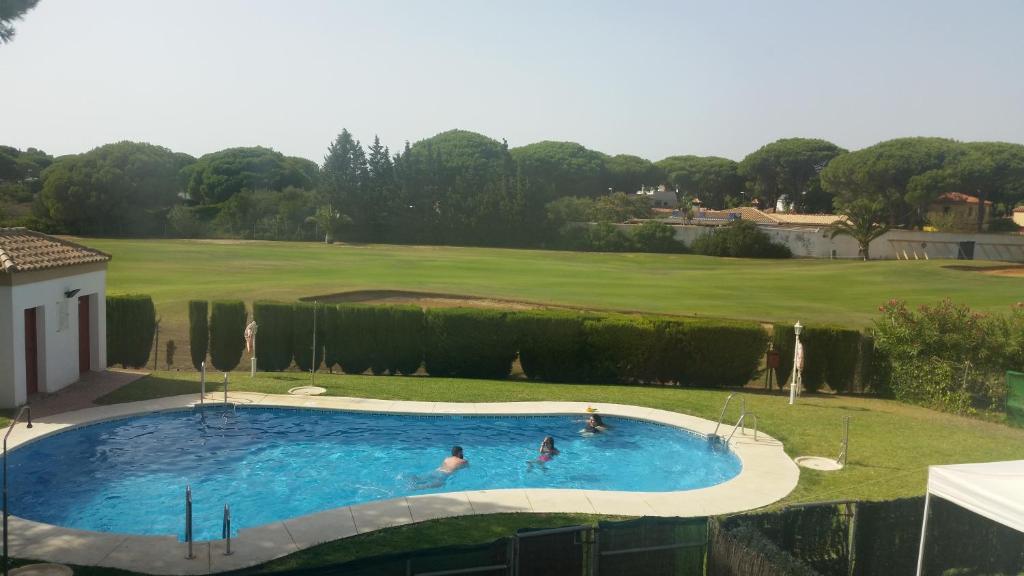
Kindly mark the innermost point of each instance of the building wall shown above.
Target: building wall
(58, 344)
(806, 242)
(1018, 218)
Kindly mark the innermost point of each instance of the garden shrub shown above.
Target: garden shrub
(227, 338)
(739, 239)
(303, 323)
(552, 345)
(948, 357)
(274, 335)
(405, 339)
(654, 236)
(708, 353)
(469, 343)
(349, 333)
(131, 324)
(618, 348)
(832, 355)
(198, 331)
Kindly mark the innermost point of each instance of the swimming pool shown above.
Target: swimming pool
(269, 464)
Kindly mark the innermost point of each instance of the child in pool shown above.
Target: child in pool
(547, 453)
(593, 426)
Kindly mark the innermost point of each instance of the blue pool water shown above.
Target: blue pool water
(271, 464)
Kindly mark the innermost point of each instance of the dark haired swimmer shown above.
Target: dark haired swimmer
(547, 453)
(438, 477)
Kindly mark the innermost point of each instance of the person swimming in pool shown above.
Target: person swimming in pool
(439, 477)
(454, 462)
(593, 425)
(547, 453)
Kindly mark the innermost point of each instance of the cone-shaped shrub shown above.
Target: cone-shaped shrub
(131, 323)
(273, 335)
(227, 333)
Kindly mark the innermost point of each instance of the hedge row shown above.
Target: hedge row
(131, 323)
(832, 356)
(474, 343)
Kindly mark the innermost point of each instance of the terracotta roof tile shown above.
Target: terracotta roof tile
(958, 198)
(809, 219)
(24, 250)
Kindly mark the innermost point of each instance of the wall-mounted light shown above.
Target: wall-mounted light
(71, 293)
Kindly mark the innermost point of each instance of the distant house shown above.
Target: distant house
(52, 313)
(661, 197)
(955, 211)
(1018, 216)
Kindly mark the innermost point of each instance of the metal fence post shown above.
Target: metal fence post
(188, 521)
(226, 529)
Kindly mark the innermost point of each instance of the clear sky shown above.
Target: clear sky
(648, 78)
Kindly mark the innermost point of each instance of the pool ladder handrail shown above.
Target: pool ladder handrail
(743, 410)
(226, 530)
(742, 423)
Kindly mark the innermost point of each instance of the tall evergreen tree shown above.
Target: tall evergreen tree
(344, 179)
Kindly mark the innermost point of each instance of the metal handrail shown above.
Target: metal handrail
(743, 410)
(10, 428)
(741, 422)
(226, 530)
(202, 382)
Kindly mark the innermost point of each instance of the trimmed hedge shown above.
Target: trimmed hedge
(402, 341)
(568, 347)
(131, 324)
(469, 343)
(227, 333)
(552, 346)
(832, 355)
(273, 335)
(302, 335)
(198, 331)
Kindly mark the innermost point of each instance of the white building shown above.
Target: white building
(52, 313)
(661, 197)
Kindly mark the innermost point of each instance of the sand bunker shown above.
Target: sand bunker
(1015, 270)
(427, 300)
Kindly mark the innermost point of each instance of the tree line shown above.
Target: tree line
(461, 187)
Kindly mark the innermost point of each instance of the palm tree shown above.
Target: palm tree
(10, 11)
(865, 221)
(330, 221)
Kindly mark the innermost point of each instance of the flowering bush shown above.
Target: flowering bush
(946, 356)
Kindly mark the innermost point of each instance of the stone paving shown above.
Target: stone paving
(768, 475)
(82, 394)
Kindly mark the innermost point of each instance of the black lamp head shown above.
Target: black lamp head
(71, 293)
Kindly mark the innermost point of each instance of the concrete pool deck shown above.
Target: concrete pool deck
(768, 475)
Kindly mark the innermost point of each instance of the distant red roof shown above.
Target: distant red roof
(958, 198)
(1019, 209)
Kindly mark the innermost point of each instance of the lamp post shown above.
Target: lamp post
(797, 364)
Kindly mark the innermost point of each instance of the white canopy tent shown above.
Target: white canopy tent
(994, 490)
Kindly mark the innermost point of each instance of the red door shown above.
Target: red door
(83, 335)
(31, 353)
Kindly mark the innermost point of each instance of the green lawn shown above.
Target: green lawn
(813, 291)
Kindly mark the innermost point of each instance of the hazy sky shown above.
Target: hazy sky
(647, 78)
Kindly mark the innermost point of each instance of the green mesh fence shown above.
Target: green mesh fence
(652, 546)
(1015, 398)
(864, 539)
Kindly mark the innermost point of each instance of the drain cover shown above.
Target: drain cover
(819, 463)
(42, 570)
(307, 391)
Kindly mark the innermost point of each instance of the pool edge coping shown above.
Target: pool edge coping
(767, 475)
